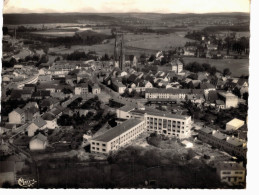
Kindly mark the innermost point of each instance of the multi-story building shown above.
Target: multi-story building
(168, 124)
(232, 145)
(81, 89)
(118, 136)
(231, 173)
(174, 94)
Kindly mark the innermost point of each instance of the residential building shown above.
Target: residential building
(81, 89)
(169, 124)
(38, 142)
(117, 137)
(37, 124)
(118, 86)
(50, 119)
(17, 116)
(232, 145)
(231, 173)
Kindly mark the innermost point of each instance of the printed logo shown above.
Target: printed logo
(26, 183)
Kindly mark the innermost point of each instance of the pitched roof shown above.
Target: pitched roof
(40, 137)
(48, 116)
(118, 130)
(19, 110)
(219, 135)
(235, 141)
(39, 122)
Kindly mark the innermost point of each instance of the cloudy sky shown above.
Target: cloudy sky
(107, 6)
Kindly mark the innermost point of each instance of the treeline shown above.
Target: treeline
(137, 30)
(214, 29)
(54, 18)
(89, 38)
(196, 67)
(78, 55)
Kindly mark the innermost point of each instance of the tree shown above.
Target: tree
(152, 58)
(5, 30)
(245, 96)
(213, 70)
(226, 72)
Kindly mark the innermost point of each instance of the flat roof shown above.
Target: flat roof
(118, 130)
(206, 130)
(169, 115)
(236, 122)
(235, 141)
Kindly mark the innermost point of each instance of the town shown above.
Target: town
(112, 116)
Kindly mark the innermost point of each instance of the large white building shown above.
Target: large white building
(171, 125)
(117, 137)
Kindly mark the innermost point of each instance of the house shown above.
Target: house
(38, 142)
(234, 124)
(81, 89)
(94, 88)
(220, 104)
(37, 124)
(50, 119)
(118, 86)
(7, 173)
(49, 103)
(44, 78)
(17, 116)
(231, 173)
(42, 94)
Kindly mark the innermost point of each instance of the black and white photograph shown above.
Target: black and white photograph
(125, 94)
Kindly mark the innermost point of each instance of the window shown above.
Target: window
(104, 150)
(97, 144)
(93, 143)
(104, 145)
(93, 148)
(97, 148)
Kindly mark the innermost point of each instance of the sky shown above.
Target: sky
(122, 6)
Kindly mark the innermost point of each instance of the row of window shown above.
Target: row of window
(93, 148)
(97, 143)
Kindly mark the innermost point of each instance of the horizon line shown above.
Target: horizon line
(126, 12)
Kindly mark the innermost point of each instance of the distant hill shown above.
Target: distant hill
(53, 18)
(44, 18)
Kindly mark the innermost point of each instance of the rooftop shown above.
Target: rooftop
(174, 91)
(236, 122)
(118, 130)
(40, 137)
(169, 115)
(230, 166)
(219, 135)
(236, 142)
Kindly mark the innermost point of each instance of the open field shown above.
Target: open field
(137, 44)
(157, 42)
(238, 67)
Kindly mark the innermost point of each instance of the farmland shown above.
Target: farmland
(238, 67)
(146, 42)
